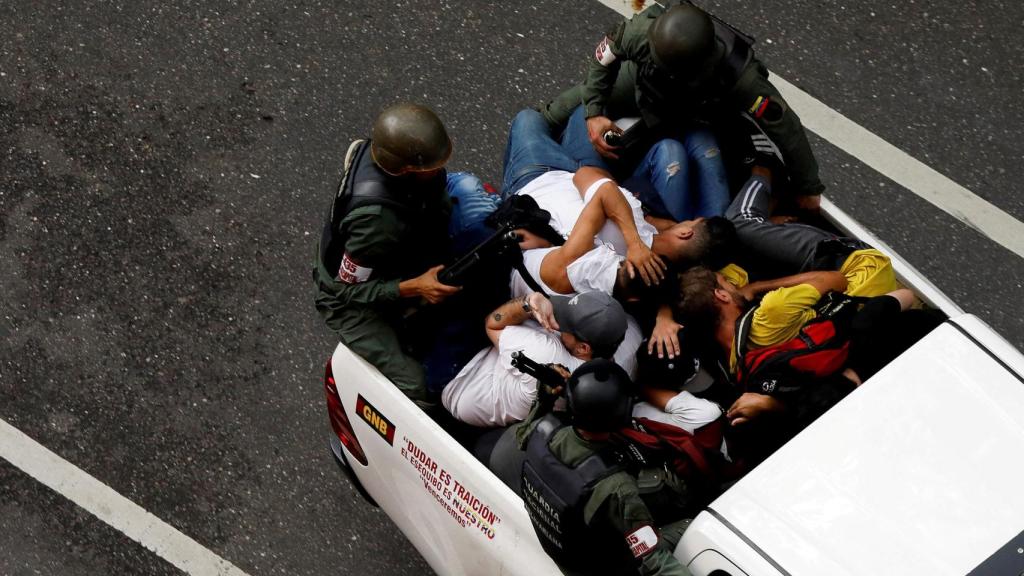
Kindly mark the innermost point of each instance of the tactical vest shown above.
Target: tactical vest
(670, 99)
(555, 497)
(363, 183)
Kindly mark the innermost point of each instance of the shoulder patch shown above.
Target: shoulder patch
(603, 53)
(351, 273)
(642, 541)
(759, 106)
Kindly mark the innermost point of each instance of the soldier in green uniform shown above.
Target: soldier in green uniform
(586, 509)
(382, 246)
(674, 67)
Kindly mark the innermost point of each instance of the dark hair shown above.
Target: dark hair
(607, 351)
(712, 244)
(626, 288)
(718, 242)
(695, 304)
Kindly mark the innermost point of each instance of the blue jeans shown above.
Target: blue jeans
(532, 151)
(680, 180)
(471, 204)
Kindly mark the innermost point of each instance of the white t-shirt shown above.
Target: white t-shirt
(490, 392)
(684, 410)
(555, 192)
(595, 270)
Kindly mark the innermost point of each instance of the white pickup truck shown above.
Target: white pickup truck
(919, 471)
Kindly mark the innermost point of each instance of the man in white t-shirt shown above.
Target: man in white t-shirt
(563, 330)
(581, 200)
(609, 240)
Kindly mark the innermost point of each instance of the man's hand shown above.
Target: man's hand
(665, 337)
(564, 373)
(750, 405)
(640, 258)
(528, 240)
(748, 292)
(542, 310)
(596, 127)
(809, 203)
(428, 286)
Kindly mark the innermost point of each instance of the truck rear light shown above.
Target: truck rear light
(339, 419)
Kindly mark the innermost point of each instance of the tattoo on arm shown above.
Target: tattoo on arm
(497, 316)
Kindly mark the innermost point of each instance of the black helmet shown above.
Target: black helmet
(683, 40)
(600, 396)
(409, 138)
(682, 373)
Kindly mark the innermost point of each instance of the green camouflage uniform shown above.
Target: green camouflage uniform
(367, 314)
(614, 88)
(615, 502)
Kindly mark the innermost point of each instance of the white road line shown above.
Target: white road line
(893, 163)
(103, 502)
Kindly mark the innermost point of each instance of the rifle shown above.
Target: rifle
(548, 378)
(498, 245)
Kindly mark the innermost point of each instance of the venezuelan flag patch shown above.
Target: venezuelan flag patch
(759, 106)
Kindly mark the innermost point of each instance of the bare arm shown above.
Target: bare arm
(823, 282)
(657, 397)
(613, 204)
(660, 224)
(905, 297)
(608, 204)
(519, 310)
(553, 269)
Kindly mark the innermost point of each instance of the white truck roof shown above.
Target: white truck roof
(919, 471)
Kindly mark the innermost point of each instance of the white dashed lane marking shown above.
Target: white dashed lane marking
(103, 502)
(893, 163)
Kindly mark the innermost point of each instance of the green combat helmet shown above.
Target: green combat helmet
(409, 138)
(683, 41)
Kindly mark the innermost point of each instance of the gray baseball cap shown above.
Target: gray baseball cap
(594, 317)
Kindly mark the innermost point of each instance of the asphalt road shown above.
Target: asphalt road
(164, 169)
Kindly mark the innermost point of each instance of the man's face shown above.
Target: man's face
(575, 346)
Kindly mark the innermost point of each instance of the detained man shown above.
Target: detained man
(564, 330)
